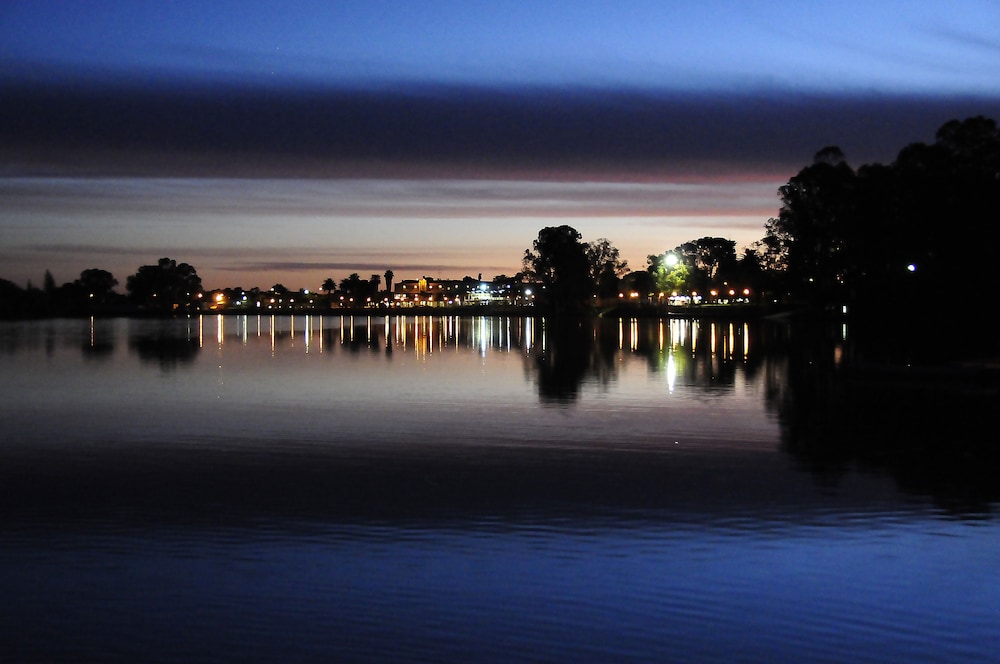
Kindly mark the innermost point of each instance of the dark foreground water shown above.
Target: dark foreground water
(487, 489)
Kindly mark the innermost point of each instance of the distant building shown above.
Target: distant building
(429, 292)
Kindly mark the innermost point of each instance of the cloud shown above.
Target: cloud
(362, 268)
(479, 131)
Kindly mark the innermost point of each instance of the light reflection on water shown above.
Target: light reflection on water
(447, 488)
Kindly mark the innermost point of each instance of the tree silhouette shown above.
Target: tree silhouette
(168, 285)
(810, 231)
(606, 267)
(96, 286)
(559, 262)
(98, 283)
(48, 283)
(388, 280)
(701, 264)
(642, 282)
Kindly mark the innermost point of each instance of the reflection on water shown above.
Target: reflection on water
(564, 353)
(449, 488)
(166, 347)
(928, 438)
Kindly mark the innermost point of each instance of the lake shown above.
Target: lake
(417, 488)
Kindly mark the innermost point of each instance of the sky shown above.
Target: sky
(288, 142)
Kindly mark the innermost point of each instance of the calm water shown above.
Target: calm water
(486, 489)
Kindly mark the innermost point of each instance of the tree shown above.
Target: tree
(167, 286)
(361, 290)
(812, 231)
(351, 284)
(642, 282)
(329, 285)
(711, 257)
(48, 283)
(558, 261)
(669, 274)
(96, 285)
(606, 267)
(97, 282)
(388, 280)
(750, 273)
(675, 279)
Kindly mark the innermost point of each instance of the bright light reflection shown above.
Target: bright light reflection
(671, 373)
(483, 336)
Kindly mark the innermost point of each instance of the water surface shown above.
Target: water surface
(496, 489)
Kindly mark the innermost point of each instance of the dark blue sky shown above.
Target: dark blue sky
(447, 117)
(890, 46)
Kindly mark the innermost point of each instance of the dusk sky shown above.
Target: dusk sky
(267, 142)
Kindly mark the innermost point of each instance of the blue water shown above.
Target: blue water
(474, 489)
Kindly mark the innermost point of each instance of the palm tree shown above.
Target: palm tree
(329, 285)
(388, 280)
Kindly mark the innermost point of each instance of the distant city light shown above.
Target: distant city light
(911, 267)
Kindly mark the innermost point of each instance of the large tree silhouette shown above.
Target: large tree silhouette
(813, 228)
(606, 267)
(558, 261)
(897, 233)
(166, 286)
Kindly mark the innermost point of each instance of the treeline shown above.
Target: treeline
(884, 241)
(92, 292)
(921, 231)
(165, 287)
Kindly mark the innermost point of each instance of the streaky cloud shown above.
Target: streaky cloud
(252, 131)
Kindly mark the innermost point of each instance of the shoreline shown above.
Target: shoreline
(706, 311)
